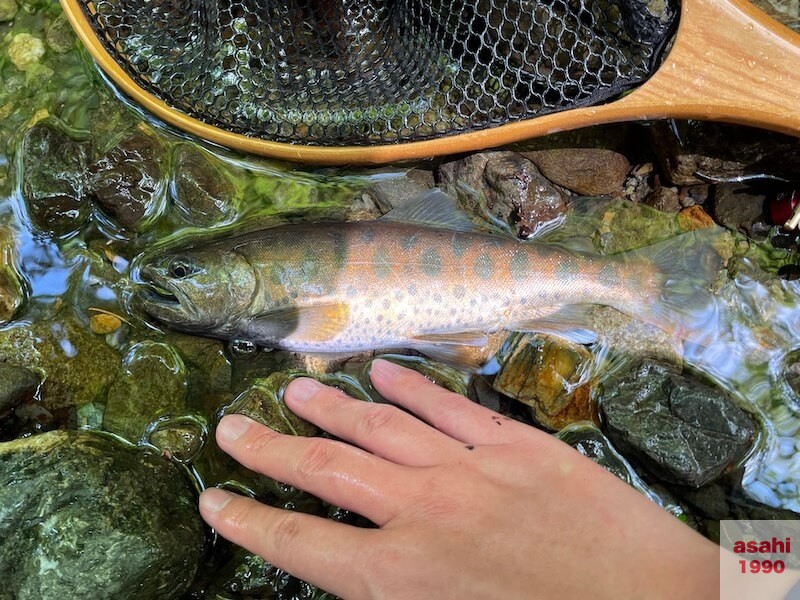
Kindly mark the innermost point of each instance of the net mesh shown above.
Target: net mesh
(380, 71)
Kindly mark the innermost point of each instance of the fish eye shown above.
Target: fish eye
(180, 268)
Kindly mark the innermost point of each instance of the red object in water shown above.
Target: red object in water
(781, 208)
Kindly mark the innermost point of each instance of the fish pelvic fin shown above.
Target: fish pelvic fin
(468, 350)
(680, 275)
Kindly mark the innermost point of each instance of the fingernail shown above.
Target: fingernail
(302, 389)
(385, 368)
(232, 427)
(214, 499)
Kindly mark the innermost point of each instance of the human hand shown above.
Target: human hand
(479, 507)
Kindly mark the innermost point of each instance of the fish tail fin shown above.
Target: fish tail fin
(682, 273)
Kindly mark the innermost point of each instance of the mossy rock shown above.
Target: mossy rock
(84, 515)
(76, 366)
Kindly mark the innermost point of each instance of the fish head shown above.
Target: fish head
(198, 290)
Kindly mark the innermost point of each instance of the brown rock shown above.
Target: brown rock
(585, 171)
(549, 374)
(694, 217)
(128, 182)
(664, 198)
(505, 187)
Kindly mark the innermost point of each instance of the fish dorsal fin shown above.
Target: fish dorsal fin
(432, 208)
(318, 323)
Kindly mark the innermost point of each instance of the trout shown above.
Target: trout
(421, 278)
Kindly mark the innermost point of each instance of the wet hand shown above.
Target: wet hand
(468, 503)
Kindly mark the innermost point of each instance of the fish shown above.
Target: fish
(423, 277)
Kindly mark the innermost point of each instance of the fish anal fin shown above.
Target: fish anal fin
(469, 350)
(573, 321)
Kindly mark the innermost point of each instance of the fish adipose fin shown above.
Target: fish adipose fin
(432, 208)
(312, 323)
(683, 271)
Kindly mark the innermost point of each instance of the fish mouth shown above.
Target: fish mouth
(162, 299)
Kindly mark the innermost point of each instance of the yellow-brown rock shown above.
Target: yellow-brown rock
(550, 375)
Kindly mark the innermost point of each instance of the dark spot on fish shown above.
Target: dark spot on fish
(520, 265)
(609, 275)
(484, 268)
(293, 294)
(398, 295)
(437, 298)
(351, 291)
(453, 312)
(387, 303)
(459, 244)
(368, 235)
(380, 264)
(459, 291)
(379, 318)
(431, 262)
(339, 248)
(567, 269)
(412, 290)
(407, 241)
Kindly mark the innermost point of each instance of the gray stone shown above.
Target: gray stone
(680, 429)
(505, 188)
(585, 171)
(83, 515)
(54, 181)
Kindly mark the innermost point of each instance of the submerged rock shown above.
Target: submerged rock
(549, 374)
(12, 291)
(60, 37)
(82, 515)
(591, 443)
(16, 384)
(128, 182)
(585, 171)
(25, 50)
(696, 152)
(682, 430)
(54, 180)
(737, 207)
(152, 384)
(505, 187)
(263, 402)
(202, 191)
(8, 10)
(76, 366)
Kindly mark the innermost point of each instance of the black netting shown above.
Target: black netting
(340, 72)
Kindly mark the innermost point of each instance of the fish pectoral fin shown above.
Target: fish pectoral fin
(573, 321)
(318, 323)
(433, 208)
